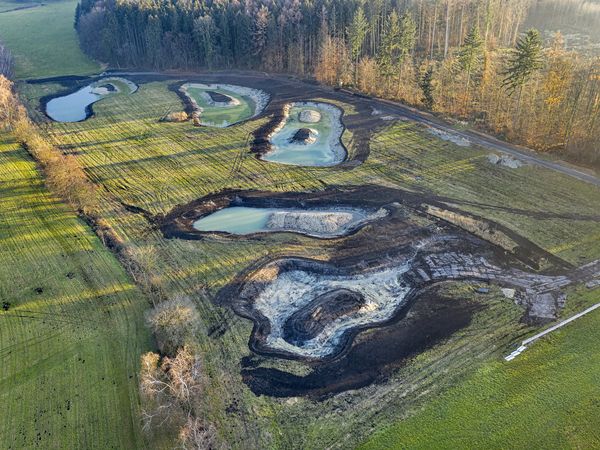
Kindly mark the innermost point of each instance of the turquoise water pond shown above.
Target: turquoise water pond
(322, 222)
(236, 220)
(327, 150)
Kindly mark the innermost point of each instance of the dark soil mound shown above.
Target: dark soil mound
(219, 98)
(303, 136)
(308, 322)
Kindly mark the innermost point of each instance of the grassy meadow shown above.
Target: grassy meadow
(42, 39)
(71, 327)
(546, 398)
(155, 166)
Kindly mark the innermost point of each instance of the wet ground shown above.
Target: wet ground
(373, 357)
(363, 355)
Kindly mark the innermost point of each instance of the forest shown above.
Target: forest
(472, 60)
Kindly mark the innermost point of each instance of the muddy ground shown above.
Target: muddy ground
(374, 355)
(282, 91)
(369, 353)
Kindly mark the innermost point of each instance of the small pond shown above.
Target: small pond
(309, 135)
(328, 223)
(76, 107)
(222, 105)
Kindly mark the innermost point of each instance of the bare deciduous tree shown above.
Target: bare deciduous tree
(172, 322)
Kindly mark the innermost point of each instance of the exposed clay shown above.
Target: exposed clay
(319, 219)
(310, 321)
(215, 99)
(504, 160)
(275, 293)
(309, 116)
(432, 319)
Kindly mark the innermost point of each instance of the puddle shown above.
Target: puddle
(76, 107)
(309, 135)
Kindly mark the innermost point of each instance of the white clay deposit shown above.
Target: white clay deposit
(309, 116)
(504, 160)
(321, 223)
(382, 290)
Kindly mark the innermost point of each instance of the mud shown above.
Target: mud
(432, 319)
(303, 136)
(219, 98)
(178, 222)
(306, 323)
(281, 89)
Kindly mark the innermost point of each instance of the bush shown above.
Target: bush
(173, 322)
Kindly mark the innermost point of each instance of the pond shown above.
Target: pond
(327, 223)
(309, 135)
(76, 107)
(223, 105)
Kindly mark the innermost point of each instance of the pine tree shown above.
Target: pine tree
(525, 61)
(426, 85)
(357, 33)
(470, 57)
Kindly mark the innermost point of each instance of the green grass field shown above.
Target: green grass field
(156, 166)
(43, 40)
(546, 398)
(71, 339)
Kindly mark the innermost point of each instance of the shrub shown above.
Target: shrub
(173, 322)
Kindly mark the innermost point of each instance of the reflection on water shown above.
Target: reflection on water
(72, 107)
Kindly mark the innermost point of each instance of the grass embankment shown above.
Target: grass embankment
(42, 39)
(71, 338)
(156, 165)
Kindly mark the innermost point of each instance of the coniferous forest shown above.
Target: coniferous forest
(468, 59)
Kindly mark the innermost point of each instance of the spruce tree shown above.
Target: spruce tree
(470, 57)
(426, 85)
(357, 33)
(390, 46)
(526, 59)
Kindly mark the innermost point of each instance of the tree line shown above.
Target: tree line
(465, 58)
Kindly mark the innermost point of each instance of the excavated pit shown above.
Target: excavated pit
(239, 214)
(76, 105)
(291, 142)
(335, 315)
